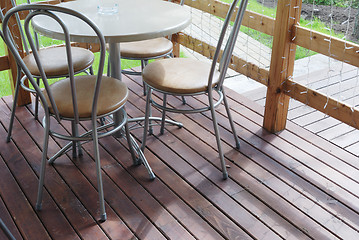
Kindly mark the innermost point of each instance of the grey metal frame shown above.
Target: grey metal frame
(223, 66)
(75, 138)
(144, 61)
(6, 230)
(87, 70)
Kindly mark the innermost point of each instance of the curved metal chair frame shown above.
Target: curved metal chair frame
(6, 230)
(88, 70)
(212, 104)
(144, 60)
(74, 138)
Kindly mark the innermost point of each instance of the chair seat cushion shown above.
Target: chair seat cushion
(179, 75)
(54, 61)
(147, 48)
(113, 95)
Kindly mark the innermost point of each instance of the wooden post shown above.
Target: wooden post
(176, 45)
(24, 96)
(282, 64)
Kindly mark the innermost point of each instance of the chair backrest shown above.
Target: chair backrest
(229, 45)
(20, 28)
(53, 12)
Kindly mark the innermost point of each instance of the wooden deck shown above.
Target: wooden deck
(342, 85)
(292, 185)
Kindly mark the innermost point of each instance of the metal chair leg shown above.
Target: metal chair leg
(147, 118)
(6, 231)
(150, 127)
(43, 165)
(103, 216)
(91, 70)
(163, 114)
(37, 101)
(16, 95)
(143, 64)
(183, 100)
(218, 138)
(236, 140)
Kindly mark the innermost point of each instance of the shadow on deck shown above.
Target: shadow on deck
(290, 185)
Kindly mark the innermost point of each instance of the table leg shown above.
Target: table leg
(115, 63)
(115, 60)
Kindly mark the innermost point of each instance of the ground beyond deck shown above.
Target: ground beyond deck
(292, 185)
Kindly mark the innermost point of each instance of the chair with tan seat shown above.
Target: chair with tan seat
(75, 98)
(190, 77)
(53, 67)
(146, 50)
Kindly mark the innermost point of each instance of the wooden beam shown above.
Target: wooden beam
(341, 111)
(282, 65)
(327, 45)
(237, 64)
(176, 45)
(251, 19)
(24, 96)
(4, 63)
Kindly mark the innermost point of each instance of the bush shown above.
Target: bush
(339, 3)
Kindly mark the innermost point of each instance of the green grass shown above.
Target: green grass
(253, 5)
(265, 39)
(5, 88)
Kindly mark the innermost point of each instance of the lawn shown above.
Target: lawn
(253, 5)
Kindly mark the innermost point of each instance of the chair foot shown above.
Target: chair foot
(103, 218)
(38, 206)
(150, 131)
(183, 100)
(8, 139)
(152, 176)
(137, 162)
(162, 131)
(238, 145)
(225, 175)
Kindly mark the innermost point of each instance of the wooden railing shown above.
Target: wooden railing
(287, 34)
(281, 85)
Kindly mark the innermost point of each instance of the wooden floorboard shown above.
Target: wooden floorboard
(290, 185)
(338, 84)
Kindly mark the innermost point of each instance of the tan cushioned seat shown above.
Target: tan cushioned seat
(113, 95)
(179, 75)
(57, 66)
(146, 48)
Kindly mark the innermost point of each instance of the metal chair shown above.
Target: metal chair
(76, 98)
(146, 50)
(189, 77)
(54, 68)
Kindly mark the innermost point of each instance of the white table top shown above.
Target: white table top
(136, 20)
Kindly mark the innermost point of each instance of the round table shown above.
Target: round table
(136, 20)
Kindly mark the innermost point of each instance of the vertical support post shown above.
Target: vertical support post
(282, 64)
(24, 96)
(176, 45)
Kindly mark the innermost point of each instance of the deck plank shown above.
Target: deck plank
(290, 185)
(81, 211)
(10, 225)
(213, 144)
